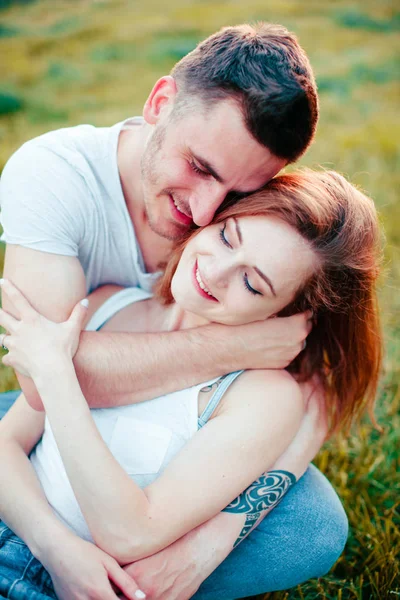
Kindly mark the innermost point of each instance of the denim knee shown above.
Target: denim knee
(325, 543)
(319, 530)
(300, 539)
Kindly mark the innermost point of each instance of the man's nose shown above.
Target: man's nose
(205, 202)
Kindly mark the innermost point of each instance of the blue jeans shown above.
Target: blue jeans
(300, 539)
(22, 577)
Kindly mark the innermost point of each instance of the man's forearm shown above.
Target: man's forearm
(191, 559)
(259, 499)
(123, 368)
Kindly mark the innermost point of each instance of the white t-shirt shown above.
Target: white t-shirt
(61, 193)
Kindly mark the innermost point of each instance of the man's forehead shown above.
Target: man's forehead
(241, 168)
(219, 137)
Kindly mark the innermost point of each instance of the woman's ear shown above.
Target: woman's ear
(161, 100)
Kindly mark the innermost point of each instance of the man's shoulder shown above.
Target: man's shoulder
(75, 159)
(74, 145)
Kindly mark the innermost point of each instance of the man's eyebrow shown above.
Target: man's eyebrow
(206, 165)
(257, 270)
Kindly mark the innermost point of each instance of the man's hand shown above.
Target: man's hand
(271, 344)
(81, 571)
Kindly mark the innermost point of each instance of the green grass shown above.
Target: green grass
(74, 62)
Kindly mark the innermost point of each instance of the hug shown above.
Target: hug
(231, 327)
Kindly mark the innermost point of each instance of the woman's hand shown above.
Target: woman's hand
(36, 344)
(81, 571)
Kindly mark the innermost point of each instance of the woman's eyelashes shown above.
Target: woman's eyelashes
(246, 283)
(223, 236)
(248, 286)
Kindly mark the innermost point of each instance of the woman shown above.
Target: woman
(139, 477)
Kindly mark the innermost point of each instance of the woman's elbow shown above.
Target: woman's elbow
(127, 544)
(120, 545)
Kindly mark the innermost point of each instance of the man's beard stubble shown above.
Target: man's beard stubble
(151, 156)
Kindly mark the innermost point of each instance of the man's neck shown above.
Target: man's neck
(154, 248)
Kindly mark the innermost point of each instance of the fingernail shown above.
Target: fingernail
(85, 302)
(140, 594)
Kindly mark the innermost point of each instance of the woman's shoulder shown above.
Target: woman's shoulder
(259, 390)
(99, 296)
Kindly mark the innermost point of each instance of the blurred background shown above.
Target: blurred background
(94, 61)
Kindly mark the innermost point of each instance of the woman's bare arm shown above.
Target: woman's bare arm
(225, 457)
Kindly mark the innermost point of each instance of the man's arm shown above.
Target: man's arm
(53, 283)
(121, 368)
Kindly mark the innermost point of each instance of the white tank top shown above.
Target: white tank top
(143, 437)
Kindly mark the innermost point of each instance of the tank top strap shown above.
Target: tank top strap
(114, 304)
(224, 383)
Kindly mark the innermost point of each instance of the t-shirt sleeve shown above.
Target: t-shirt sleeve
(42, 198)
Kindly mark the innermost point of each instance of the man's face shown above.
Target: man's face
(192, 162)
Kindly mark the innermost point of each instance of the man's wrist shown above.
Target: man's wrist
(232, 355)
(216, 538)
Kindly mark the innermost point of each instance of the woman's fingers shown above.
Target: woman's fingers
(7, 321)
(79, 313)
(2, 338)
(125, 583)
(17, 298)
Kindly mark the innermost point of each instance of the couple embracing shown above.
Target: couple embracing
(187, 327)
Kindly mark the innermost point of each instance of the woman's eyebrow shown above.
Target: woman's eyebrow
(257, 270)
(238, 230)
(266, 279)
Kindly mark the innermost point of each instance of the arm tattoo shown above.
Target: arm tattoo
(259, 498)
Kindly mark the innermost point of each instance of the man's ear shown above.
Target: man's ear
(160, 100)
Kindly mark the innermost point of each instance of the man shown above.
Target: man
(83, 207)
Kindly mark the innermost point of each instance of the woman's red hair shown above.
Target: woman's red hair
(340, 223)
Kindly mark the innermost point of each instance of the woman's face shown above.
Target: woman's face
(242, 270)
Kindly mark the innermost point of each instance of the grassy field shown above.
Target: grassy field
(67, 62)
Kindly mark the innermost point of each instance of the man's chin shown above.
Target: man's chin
(168, 230)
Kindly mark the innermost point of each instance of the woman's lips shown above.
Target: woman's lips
(178, 215)
(197, 286)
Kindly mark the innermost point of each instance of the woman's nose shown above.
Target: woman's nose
(219, 273)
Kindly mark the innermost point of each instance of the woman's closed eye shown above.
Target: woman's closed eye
(222, 235)
(249, 287)
(225, 241)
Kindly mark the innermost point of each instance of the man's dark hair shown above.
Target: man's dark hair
(264, 68)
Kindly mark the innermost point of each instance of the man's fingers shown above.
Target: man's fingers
(125, 583)
(7, 321)
(17, 298)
